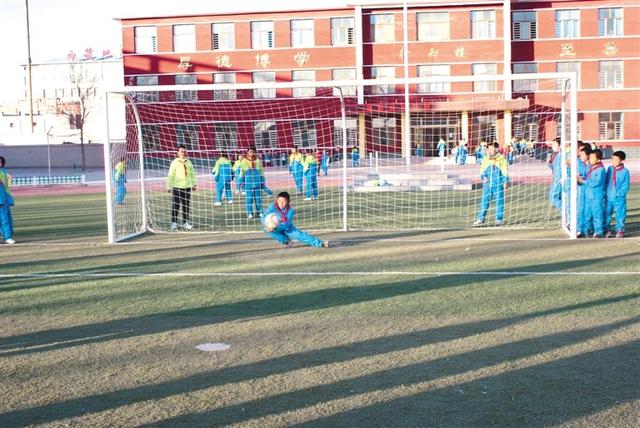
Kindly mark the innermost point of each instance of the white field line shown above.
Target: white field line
(329, 273)
(337, 241)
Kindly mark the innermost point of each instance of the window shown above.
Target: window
(568, 66)
(223, 36)
(184, 38)
(434, 71)
(567, 23)
(303, 75)
(150, 137)
(382, 28)
(265, 135)
(380, 73)
(433, 26)
(485, 127)
(187, 134)
(224, 94)
(186, 79)
(146, 40)
(384, 131)
(484, 69)
(352, 132)
(525, 26)
(344, 74)
(610, 22)
(611, 75)
(483, 24)
(522, 85)
(302, 33)
(262, 34)
(226, 136)
(342, 31)
(304, 134)
(610, 126)
(264, 76)
(147, 97)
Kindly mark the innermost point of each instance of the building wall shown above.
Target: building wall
(61, 156)
(459, 51)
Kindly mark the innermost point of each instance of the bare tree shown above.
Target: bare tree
(84, 85)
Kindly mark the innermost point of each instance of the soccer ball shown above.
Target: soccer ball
(271, 221)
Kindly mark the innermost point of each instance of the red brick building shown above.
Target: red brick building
(599, 39)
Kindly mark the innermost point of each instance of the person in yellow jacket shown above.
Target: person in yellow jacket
(311, 176)
(181, 181)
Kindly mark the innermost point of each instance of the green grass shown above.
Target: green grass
(459, 331)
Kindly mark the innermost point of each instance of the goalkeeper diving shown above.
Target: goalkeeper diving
(278, 224)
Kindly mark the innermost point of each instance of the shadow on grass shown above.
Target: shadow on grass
(406, 375)
(62, 338)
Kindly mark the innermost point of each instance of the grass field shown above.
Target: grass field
(397, 329)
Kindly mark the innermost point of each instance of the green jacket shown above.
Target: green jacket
(182, 174)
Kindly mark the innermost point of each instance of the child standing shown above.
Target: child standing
(555, 163)
(617, 185)
(236, 172)
(223, 175)
(253, 177)
(295, 168)
(324, 163)
(311, 177)
(120, 179)
(594, 193)
(495, 176)
(6, 202)
(583, 170)
(286, 231)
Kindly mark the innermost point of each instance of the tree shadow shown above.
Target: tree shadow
(319, 357)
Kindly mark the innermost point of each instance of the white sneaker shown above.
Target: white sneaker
(217, 204)
(10, 241)
(307, 199)
(478, 222)
(250, 216)
(498, 222)
(230, 203)
(174, 227)
(187, 226)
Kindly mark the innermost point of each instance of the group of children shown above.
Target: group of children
(602, 193)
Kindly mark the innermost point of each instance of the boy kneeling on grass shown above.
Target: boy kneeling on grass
(285, 231)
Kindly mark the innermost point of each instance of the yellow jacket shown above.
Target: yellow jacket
(182, 174)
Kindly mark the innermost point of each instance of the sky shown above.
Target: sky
(59, 26)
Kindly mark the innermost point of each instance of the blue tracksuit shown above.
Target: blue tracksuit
(442, 148)
(253, 178)
(461, 155)
(617, 186)
(6, 202)
(479, 155)
(120, 179)
(311, 177)
(583, 170)
(594, 198)
(223, 175)
(555, 191)
(494, 175)
(295, 168)
(324, 163)
(286, 230)
(355, 157)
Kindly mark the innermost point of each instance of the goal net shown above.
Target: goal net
(383, 154)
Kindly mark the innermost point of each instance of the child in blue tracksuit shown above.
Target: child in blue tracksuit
(324, 163)
(584, 151)
(480, 153)
(286, 231)
(461, 154)
(311, 177)
(441, 148)
(555, 163)
(237, 174)
(495, 176)
(617, 186)
(253, 178)
(355, 157)
(6, 202)
(223, 174)
(296, 168)
(120, 179)
(594, 194)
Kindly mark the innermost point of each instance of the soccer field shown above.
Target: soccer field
(479, 327)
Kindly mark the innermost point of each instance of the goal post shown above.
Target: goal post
(391, 162)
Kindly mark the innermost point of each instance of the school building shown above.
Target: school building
(598, 39)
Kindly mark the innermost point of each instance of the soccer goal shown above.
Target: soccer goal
(375, 154)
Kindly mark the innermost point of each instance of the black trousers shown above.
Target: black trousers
(181, 197)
